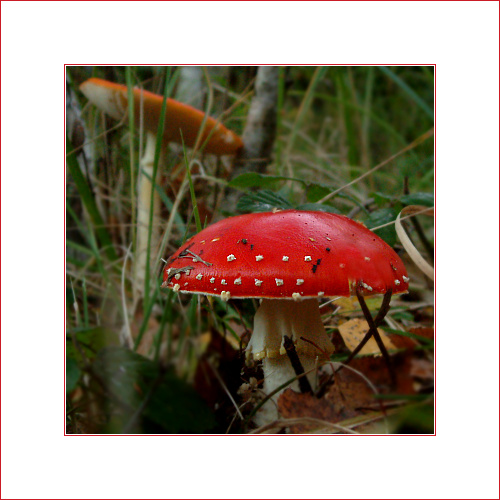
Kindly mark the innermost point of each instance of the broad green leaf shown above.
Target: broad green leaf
(262, 201)
(317, 191)
(150, 397)
(254, 179)
(318, 207)
(72, 374)
(380, 217)
(381, 199)
(90, 340)
(425, 199)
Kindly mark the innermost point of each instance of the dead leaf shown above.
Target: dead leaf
(353, 332)
(348, 305)
(423, 331)
(422, 369)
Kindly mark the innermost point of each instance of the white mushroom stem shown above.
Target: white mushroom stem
(143, 209)
(302, 322)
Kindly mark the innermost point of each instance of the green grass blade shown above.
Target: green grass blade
(408, 91)
(305, 104)
(89, 203)
(158, 146)
(191, 188)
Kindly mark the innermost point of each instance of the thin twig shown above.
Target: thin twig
(304, 385)
(288, 422)
(197, 257)
(384, 308)
(374, 331)
(226, 390)
(428, 209)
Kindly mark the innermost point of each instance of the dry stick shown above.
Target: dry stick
(283, 423)
(373, 331)
(415, 143)
(384, 308)
(289, 346)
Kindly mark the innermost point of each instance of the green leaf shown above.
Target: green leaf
(318, 207)
(414, 419)
(151, 398)
(381, 199)
(254, 179)
(425, 199)
(380, 217)
(317, 191)
(72, 374)
(90, 340)
(262, 201)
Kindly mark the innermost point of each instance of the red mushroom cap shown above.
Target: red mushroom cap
(288, 254)
(112, 98)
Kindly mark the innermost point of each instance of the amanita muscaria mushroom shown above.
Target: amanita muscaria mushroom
(112, 98)
(288, 259)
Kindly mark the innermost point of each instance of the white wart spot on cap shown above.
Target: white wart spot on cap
(225, 296)
(307, 258)
(367, 259)
(230, 258)
(258, 282)
(397, 282)
(237, 281)
(300, 281)
(285, 258)
(296, 296)
(223, 282)
(278, 282)
(341, 266)
(199, 276)
(212, 280)
(320, 294)
(368, 287)
(259, 257)
(406, 279)
(177, 276)
(216, 239)
(177, 287)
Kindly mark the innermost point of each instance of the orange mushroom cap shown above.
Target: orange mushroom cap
(112, 98)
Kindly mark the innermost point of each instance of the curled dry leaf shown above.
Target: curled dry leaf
(410, 248)
(353, 332)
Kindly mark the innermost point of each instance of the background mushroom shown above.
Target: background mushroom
(183, 124)
(288, 259)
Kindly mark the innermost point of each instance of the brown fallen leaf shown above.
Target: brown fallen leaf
(422, 369)
(423, 331)
(347, 396)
